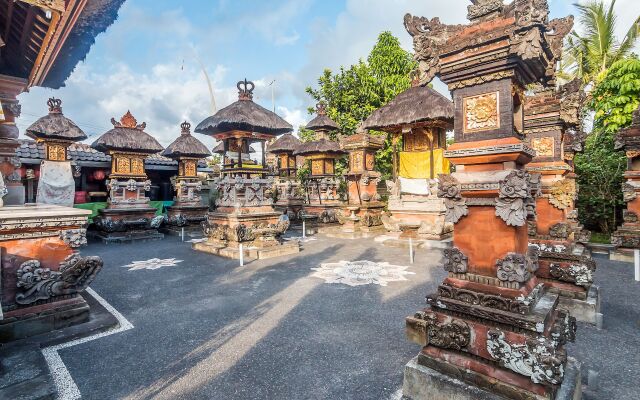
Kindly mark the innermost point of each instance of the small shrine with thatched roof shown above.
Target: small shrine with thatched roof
(322, 197)
(187, 211)
(128, 215)
(553, 129)
(57, 132)
(289, 192)
(417, 121)
(244, 218)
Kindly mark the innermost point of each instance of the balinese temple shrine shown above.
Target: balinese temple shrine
(492, 329)
(289, 191)
(41, 271)
(56, 184)
(323, 200)
(128, 215)
(187, 211)
(362, 214)
(244, 218)
(417, 121)
(552, 121)
(627, 237)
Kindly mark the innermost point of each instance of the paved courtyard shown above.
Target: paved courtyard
(205, 328)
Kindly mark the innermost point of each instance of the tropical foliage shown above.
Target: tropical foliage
(590, 54)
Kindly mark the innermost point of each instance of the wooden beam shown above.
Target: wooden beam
(9, 18)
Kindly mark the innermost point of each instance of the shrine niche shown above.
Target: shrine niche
(627, 236)
(289, 191)
(323, 199)
(188, 211)
(492, 329)
(128, 215)
(565, 265)
(244, 218)
(56, 184)
(416, 121)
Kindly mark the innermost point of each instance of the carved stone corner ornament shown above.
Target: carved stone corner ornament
(450, 190)
(511, 201)
(580, 274)
(628, 192)
(559, 230)
(537, 358)
(75, 274)
(454, 334)
(563, 194)
(74, 238)
(629, 216)
(455, 261)
(517, 267)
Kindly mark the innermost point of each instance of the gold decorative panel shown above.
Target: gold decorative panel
(316, 167)
(357, 163)
(370, 161)
(481, 112)
(418, 140)
(544, 146)
(292, 162)
(137, 166)
(56, 152)
(190, 168)
(123, 165)
(328, 167)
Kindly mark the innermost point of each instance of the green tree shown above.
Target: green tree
(588, 56)
(600, 167)
(353, 93)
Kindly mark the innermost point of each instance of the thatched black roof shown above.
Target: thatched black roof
(127, 135)
(319, 146)
(244, 115)
(322, 122)
(286, 143)
(219, 149)
(416, 104)
(95, 18)
(186, 145)
(55, 125)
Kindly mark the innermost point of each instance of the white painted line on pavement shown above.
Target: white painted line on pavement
(67, 388)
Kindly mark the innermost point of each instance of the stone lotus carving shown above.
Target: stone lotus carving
(517, 267)
(511, 202)
(580, 274)
(74, 238)
(563, 194)
(455, 261)
(74, 275)
(454, 334)
(450, 189)
(537, 358)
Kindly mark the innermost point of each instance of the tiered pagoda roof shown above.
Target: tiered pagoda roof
(186, 145)
(55, 125)
(127, 135)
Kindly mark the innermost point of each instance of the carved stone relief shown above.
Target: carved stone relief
(454, 334)
(481, 112)
(511, 201)
(455, 261)
(450, 190)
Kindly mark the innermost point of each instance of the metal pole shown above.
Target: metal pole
(182, 234)
(636, 254)
(411, 250)
(241, 256)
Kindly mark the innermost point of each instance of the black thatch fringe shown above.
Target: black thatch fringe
(286, 143)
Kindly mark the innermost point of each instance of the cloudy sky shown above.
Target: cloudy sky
(151, 59)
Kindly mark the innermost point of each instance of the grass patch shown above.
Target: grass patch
(601, 238)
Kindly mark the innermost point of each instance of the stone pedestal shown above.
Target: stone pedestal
(323, 201)
(290, 198)
(245, 216)
(41, 273)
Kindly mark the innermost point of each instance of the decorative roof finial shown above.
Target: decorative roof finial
(55, 106)
(128, 121)
(321, 108)
(484, 9)
(186, 128)
(245, 90)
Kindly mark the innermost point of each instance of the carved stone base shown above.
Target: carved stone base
(130, 236)
(250, 252)
(116, 225)
(327, 213)
(43, 318)
(185, 216)
(292, 208)
(444, 381)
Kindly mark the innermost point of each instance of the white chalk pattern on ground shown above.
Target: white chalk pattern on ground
(67, 388)
(356, 273)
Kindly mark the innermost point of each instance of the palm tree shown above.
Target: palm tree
(588, 56)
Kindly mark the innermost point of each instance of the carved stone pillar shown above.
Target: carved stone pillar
(11, 186)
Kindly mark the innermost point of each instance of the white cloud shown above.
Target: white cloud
(295, 117)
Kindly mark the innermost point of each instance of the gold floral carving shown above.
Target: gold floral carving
(123, 165)
(56, 152)
(417, 141)
(481, 112)
(356, 161)
(563, 193)
(137, 166)
(633, 153)
(369, 161)
(189, 168)
(544, 146)
(316, 167)
(328, 166)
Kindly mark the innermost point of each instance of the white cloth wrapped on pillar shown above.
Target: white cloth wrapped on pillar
(3, 190)
(56, 184)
